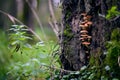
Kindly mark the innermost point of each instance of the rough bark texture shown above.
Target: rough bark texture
(73, 55)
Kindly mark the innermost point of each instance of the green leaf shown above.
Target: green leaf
(115, 79)
(77, 72)
(91, 76)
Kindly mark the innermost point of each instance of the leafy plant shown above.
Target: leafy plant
(112, 12)
(18, 37)
(4, 57)
(36, 61)
(113, 47)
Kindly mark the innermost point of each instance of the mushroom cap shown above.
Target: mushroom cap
(81, 38)
(84, 35)
(83, 25)
(89, 23)
(86, 25)
(86, 43)
(89, 37)
(83, 31)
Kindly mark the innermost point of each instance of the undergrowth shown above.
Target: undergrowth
(27, 60)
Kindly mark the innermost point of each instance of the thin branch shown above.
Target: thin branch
(13, 19)
(53, 67)
(52, 26)
(53, 16)
(37, 18)
(35, 34)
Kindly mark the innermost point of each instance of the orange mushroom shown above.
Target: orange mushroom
(89, 23)
(86, 43)
(89, 37)
(84, 35)
(81, 38)
(83, 31)
(84, 26)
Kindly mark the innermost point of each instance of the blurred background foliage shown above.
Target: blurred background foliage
(28, 48)
(33, 13)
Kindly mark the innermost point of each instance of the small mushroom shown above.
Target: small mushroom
(83, 31)
(84, 35)
(89, 37)
(86, 43)
(89, 23)
(81, 25)
(84, 26)
(81, 38)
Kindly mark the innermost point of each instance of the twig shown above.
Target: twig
(35, 34)
(56, 33)
(53, 17)
(15, 19)
(59, 69)
(37, 18)
(12, 18)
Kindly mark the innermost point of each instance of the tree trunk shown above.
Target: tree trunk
(74, 52)
(7, 6)
(24, 12)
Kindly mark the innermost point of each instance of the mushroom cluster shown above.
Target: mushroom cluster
(85, 26)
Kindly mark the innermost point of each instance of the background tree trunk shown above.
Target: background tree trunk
(7, 6)
(73, 53)
(25, 13)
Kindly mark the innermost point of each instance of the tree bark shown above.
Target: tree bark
(73, 52)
